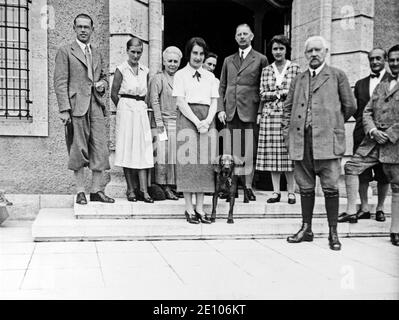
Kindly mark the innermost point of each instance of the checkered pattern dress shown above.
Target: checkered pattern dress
(272, 154)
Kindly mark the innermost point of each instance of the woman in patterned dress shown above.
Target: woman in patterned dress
(272, 154)
(133, 148)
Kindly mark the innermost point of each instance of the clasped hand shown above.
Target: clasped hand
(380, 136)
(203, 126)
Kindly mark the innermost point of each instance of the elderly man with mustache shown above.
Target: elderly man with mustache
(319, 102)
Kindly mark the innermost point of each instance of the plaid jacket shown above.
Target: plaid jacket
(268, 87)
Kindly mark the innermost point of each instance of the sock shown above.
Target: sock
(96, 181)
(352, 187)
(395, 212)
(332, 206)
(307, 205)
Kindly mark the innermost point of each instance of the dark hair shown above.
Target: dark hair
(191, 43)
(379, 48)
(395, 48)
(134, 42)
(283, 40)
(211, 55)
(83, 15)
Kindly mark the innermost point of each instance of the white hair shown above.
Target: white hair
(316, 38)
(172, 49)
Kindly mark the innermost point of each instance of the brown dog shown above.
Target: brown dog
(226, 182)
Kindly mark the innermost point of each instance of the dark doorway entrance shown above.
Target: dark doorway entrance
(216, 22)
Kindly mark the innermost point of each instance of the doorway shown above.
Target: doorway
(215, 21)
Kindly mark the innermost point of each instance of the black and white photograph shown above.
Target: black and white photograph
(209, 151)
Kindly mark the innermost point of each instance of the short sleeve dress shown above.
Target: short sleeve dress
(133, 147)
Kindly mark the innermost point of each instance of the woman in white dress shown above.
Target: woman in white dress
(133, 150)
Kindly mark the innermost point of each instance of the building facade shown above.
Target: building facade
(33, 155)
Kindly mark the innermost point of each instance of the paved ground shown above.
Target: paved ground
(366, 268)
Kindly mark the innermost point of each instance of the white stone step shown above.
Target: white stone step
(169, 209)
(61, 225)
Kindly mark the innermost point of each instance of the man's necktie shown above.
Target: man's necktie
(89, 62)
(375, 75)
(197, 75)
(241, 57)
(313, 73)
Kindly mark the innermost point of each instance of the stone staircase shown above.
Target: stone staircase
(164, 220)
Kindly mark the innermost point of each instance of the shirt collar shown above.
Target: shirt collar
(246, 50)
(83, 45)
(318, 70)
(192, 71)
(382, 73)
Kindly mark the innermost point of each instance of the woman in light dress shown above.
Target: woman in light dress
(133, 150)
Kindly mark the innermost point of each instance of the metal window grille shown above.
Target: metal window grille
(14, 59)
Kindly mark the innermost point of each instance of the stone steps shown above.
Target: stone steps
(61, 225)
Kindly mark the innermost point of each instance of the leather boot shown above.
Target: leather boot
(333, 240)
(304, 234)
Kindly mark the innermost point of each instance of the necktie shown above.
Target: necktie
(242, 57)
(89, 63)
(313, 73)
(375, 75)
(197, 75)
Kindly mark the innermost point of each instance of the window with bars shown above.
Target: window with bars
(14, 59)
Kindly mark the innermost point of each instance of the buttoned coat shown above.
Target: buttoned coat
(362, 96)
(72, 85)
(332, 104)
(382, 112)
(239, 86)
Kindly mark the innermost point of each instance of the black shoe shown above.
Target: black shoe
(81, 198)
(333, 240)
(363, 215)
(203, 219)
(395, 239)
(190, 218)
(142, 197)
(380, 216)
(344, 217)
(101, 197)
(292, 199)
(180, 195)
(304, 234)
(131, 196)
(276, 198)
(170, 195)
(251, 195)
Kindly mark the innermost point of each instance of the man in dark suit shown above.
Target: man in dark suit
(363, 91)
(79, 83)
(319, 102)
(381, 141)
(239, 100)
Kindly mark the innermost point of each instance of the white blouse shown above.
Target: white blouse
(280, 76)
(195, 90)
(131, 83)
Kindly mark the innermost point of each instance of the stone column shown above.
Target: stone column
(155, 35)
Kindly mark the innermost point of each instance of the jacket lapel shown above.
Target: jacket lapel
(323, 76)
(96, 57)
(78, 53)
(365, 90)
(305, 84)
(236, 61)
(247, 61)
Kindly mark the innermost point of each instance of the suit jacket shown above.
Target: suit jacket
(72, 85)
(239, 86)
(362, 95)
(332, 104)
(382, 112)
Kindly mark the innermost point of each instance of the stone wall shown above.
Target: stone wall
(39, 164)
(386, 23)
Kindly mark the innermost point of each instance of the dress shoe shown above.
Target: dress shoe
(251, 195)
(363, 215)
(344, 217)
(101, 197)
(180, 195)
(291, 198)
(276, 198)
(203, 219)
(333, 240)
(380, 216)
(131, 196)
(81, 198)
(304, 234)
(395, 239)
(190, 218)
(170, 195)
(142, 197)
